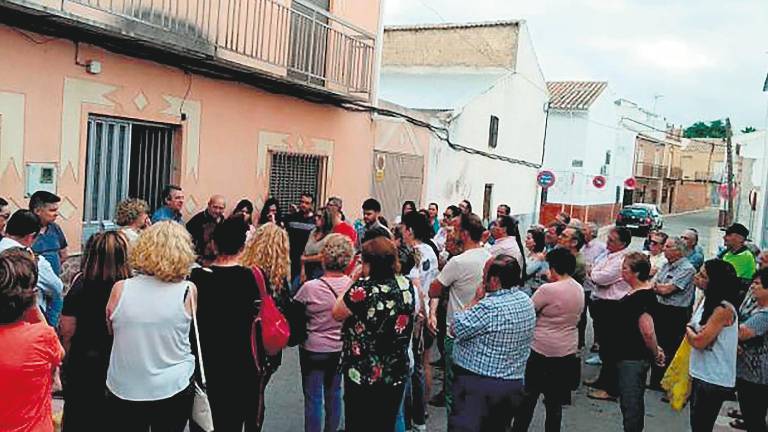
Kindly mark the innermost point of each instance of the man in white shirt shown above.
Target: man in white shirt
(21, 231)
(460, 277)
(656, 251)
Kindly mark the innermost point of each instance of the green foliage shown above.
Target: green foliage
(748, 129)
(715, 129)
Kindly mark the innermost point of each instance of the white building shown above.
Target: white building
(753, 149)
(482, 82)
(585, 140)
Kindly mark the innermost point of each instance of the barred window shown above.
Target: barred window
(293, 174)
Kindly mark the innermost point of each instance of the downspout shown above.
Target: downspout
(546, 122)
(378, 56)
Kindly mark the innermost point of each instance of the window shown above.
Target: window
(493, 132)
(309, 41)
(124, 159)
(577, 163)
(608, 157)
(293, 174)
(487, 197)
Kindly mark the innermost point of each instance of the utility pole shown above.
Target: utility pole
(729, 172)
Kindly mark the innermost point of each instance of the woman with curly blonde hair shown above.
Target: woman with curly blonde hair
(150, 314)
(268, 251)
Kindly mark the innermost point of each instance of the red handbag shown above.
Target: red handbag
(270, 322)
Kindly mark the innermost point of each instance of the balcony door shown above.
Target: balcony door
(309, 41)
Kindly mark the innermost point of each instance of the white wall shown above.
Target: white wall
(587, 136)
(754, 146)
(455, 175)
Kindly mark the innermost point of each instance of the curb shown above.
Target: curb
(687, 212)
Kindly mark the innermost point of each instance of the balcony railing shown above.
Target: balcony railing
(300, 42)
(675, 173)
(707, 176)
(643, 169)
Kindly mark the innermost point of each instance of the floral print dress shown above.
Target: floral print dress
(377, 335)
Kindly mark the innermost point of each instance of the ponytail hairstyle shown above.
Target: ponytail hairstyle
(512, 227)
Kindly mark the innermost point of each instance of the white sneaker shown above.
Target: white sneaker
(594, 361)
(419, 428)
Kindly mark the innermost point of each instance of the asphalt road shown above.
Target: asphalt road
(284, 405)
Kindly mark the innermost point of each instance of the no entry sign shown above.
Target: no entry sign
(630, 183)
(599, 182)
(545, 179)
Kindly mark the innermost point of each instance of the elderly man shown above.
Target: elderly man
(610, 287)
(572, 240)
(695, 252)
(201, 228)
(592, 250)
(674, 293)
(493, 336)
(737, 253)
(656, 254)
(173, 198)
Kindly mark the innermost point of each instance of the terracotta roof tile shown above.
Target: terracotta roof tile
(574, 95)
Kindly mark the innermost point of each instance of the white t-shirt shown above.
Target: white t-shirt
(462, 275)
(425, 271)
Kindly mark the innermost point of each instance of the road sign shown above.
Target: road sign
(599, 182)
(723, 191)
(630, 183)
(545, 179)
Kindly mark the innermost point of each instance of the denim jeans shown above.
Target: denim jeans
(448, 378)
(706, 401)
(415, 401)
(632, 375)
(321, 380)
(483, 403)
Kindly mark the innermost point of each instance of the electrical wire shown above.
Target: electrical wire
(29, 37)
(186, 94)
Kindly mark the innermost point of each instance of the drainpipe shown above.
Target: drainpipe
(378, 56)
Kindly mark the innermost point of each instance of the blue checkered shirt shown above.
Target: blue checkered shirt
(493, 338)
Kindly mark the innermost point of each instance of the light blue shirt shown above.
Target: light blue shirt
(50, 298)
(165, 213)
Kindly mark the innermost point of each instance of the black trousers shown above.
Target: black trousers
(603, 314)
(706, 401)
(669, 323)
(753, 401)
(164, 415)
(483, 404)
(582, 326)
(371, 408)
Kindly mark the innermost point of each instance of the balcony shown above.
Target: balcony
(281, 41)
(675, 173)
(643, 169)
(707, 176)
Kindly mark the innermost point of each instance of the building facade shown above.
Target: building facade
(100, 101)
(481, 88)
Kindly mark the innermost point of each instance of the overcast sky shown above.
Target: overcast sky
(708, 58)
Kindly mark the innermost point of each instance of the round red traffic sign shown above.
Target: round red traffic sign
(545, 179)
(723, 191)
(630, 183)
(599, 182)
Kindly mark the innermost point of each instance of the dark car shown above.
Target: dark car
(639, 220)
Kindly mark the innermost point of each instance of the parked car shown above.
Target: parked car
(638, 219)
(655, 214)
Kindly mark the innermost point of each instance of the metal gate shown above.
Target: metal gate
(293, 174)
(124, 159)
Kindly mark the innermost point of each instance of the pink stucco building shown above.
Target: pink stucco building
(101, 100)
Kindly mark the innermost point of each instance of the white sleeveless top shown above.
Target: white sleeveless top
(151, 355)
(716, 364)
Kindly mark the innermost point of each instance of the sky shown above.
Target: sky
(693, 59)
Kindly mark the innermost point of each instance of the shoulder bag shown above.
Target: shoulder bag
(201, 407)
(269, 322)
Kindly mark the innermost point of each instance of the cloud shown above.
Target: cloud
(668, 54)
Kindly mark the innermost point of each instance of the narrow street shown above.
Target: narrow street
(285, 400)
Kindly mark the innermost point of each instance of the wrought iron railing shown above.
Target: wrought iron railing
(643, 169)
(302, 41)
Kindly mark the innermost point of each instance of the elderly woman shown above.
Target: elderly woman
(133, 217)
(377, 313)
(235, 386)
(151, 366)
(30, 347)
(320, 354)
(84, 331)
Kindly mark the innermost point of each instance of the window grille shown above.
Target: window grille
(293, 174)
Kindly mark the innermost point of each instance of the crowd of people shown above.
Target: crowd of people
(377, 309)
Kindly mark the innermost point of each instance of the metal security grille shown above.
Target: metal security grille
(124, 159)
(151, 162)
(293, 174)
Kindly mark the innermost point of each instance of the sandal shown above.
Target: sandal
(734, 413)
(738, 424)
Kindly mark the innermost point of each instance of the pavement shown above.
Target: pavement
(284, 398)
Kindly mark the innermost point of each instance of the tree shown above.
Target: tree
(748, 129)
(715, 129)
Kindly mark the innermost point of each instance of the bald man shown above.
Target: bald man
(201, 228)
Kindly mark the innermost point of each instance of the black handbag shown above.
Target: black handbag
(297, 317)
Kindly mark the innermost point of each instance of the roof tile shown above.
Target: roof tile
(574, 95)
